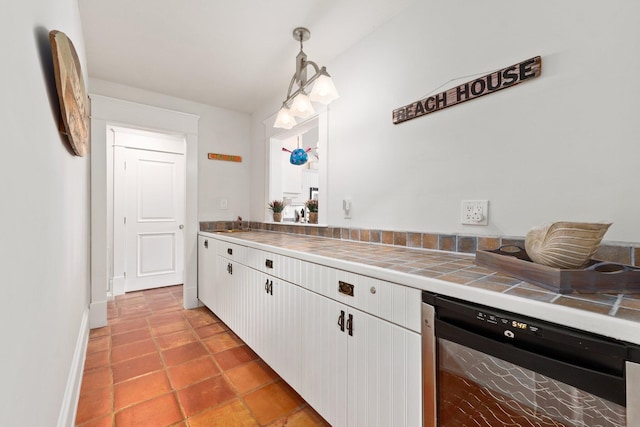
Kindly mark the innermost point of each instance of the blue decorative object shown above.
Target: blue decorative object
(298, 156)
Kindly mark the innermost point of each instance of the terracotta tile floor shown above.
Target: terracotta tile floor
(157, 364)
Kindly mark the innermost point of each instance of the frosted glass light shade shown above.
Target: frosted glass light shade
(324, 91)
(285, 119)
(301, 106)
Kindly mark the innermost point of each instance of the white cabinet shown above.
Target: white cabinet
(383, 365)
(323, 357)
(355, 359)
(276, 329)
(231, 287)
(360, 370)
(207, 271)
(222, 290)
(219, 278)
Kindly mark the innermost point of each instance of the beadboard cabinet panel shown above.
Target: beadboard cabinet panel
(222, 307)
(383, 367)
(231, 289)
(207, 271)
(354, 358)
(254, 298)
(270, 325)
(239, 288)
(323, 355)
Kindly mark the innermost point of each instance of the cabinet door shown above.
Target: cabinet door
(223, 308)
(259, 338)
(236, 290)
(254, 295)
(284, 302)
(231, 291)
(206, 271)
(322, 380)
(384, 373)
(273, 333)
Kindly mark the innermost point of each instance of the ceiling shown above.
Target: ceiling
(233, 54)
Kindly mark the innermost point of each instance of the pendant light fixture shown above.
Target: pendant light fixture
(298, 102)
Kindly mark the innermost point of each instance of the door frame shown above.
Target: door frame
(107, 113)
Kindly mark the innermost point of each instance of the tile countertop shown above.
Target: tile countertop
(455, 275)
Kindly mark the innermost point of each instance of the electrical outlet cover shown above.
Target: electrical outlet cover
(475, 212)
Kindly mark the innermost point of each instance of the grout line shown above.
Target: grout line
(555, 298)
(616, 305)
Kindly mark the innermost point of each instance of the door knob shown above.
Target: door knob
(181, 226)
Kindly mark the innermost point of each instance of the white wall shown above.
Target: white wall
(44, 250)
(560, 147)
(219, 131)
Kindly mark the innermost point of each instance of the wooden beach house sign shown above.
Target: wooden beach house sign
(492, 82)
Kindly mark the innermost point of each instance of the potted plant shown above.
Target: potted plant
(276, 206)
(312, 207)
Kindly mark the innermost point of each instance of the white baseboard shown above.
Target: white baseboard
(98, 314)
(117, 285)
(67, 416)
(190, 297)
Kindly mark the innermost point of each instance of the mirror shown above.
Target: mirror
(297, 184)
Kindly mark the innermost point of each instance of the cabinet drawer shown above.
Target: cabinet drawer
(280, 266)
(257, 260)
(231, 251)
(390, 301)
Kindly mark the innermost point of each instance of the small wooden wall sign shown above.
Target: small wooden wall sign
(225, 157)
(492, 82)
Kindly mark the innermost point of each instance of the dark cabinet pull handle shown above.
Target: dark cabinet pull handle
(229, 268)
(341, 320)
(269, 263)
(230, 251)
(345, 288)
(350, 325)
(206, 244)
(268, 287)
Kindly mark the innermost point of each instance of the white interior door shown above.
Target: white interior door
(154, 218)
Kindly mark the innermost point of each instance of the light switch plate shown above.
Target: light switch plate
(346, 207)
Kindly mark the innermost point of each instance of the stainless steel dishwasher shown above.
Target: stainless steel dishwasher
(486, 367)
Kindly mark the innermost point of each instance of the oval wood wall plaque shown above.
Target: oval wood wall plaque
(71, 91)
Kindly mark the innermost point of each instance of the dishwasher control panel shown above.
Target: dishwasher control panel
(510, 325)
